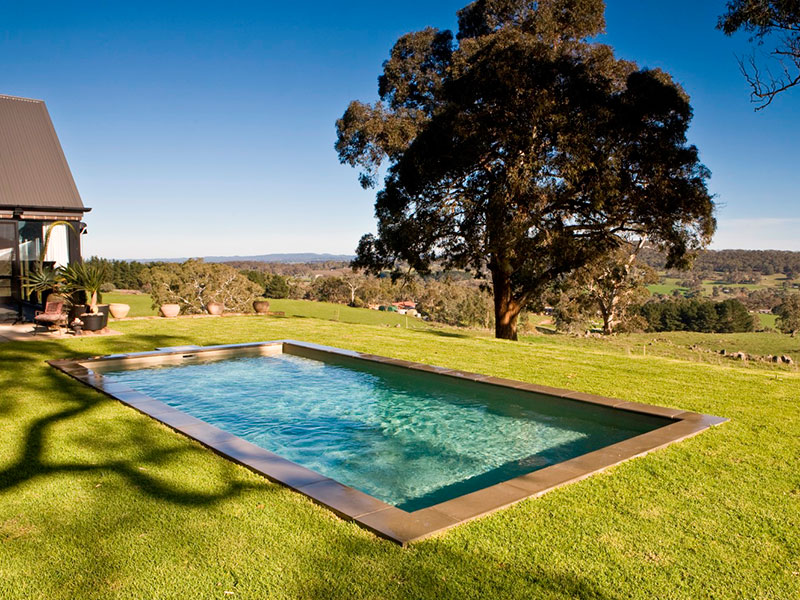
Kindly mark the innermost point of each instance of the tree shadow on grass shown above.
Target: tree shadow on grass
(448, 334)
(31, 386)
(50, 408)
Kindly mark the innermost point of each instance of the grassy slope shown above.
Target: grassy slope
(141, 304)
(97, 501)
(679, 344)
(346, 314)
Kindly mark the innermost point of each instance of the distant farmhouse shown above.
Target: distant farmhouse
(36, 190)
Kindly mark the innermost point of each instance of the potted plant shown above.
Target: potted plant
(170, 310)
(88, 279)
(261, 306)
(215, 308)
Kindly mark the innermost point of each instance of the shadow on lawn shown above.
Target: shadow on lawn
(51, 389)
(448, 334)
(439, 568)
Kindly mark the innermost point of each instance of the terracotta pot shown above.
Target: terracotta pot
(215, 308)
(170, 310)
(119, 310)
(261, 306)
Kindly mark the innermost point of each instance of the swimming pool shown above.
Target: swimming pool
(405, 449)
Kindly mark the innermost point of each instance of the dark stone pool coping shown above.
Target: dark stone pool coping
(383, 519)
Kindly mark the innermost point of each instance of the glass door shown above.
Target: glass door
(8, 247)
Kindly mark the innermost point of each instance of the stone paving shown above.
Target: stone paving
(25, 332)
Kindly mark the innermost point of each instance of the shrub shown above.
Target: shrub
(789, 315)
(276, 287)
(194, 284)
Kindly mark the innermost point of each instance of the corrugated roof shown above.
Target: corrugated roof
(33, 170)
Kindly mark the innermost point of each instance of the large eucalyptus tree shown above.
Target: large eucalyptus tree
(521, 147)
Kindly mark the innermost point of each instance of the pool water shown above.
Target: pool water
(410, 438)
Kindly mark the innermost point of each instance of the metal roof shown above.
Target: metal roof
(33, 170)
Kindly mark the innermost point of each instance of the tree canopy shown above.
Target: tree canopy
(768, 21)
(789, 315)
(519, 147)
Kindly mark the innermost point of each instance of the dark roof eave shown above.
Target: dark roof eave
(59, 209)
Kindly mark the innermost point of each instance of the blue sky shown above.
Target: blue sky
(208, 128)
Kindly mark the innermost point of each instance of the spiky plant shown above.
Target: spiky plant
(85, 278)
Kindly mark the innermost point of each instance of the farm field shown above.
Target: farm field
(668, 285)
(99, 501)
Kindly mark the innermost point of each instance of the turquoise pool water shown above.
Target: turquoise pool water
(411, 439)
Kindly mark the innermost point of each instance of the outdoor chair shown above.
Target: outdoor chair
(52, 316)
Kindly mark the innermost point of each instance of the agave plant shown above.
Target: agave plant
(84, 278)
(42, 279)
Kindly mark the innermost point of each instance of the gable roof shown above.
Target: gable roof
(34, 173)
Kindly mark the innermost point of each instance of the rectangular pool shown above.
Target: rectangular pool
(382, 434)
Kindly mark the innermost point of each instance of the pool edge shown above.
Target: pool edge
(384, 520)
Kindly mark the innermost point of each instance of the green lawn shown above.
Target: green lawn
(765, 320)
(699, 347)
(98, 501)
(346, 314)
(141, 304)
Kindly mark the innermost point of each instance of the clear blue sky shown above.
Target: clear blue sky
(207, 128)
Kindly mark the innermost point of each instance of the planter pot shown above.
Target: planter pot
(77, 309)
(170, 310)
(215, 308)
(103, 310)
(119, 310)
(261, 306)
(92, 321)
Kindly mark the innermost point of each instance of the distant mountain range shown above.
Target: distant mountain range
(300, 257)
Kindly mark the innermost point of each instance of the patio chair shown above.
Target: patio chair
(52, 316)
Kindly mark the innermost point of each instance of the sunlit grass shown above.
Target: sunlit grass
(98, 501)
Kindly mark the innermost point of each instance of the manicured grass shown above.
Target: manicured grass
(98, 501)
(345, 314)
(141, 304)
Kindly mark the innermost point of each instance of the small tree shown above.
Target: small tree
(276, 287)
(615, 282)
(194, 284)
(354, 282)
(789, 315)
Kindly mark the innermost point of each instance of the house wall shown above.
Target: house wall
(26, 252)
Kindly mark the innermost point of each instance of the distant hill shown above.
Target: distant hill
(300, 257)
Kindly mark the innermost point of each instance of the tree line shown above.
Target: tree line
(764, 262)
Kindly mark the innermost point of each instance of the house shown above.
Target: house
(406, 308)
(36, 190)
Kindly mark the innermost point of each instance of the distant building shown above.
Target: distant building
(406, 308)
(36, 189)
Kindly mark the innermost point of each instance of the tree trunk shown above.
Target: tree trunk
(506, 307)
(607, 310)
